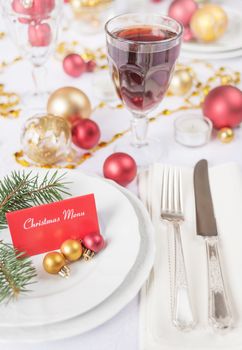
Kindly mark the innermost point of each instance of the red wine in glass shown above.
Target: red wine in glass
(141, 70)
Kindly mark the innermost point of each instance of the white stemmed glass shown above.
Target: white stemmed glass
(142, 52)
(33, 26)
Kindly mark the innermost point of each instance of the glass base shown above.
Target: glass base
(32, 100)
(144, 155)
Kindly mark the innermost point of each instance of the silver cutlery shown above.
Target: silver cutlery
(219, 311)
(172, 211)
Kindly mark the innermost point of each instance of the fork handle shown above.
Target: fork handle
(182, 313)
(219, 313)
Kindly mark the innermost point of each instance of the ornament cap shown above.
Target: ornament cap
(88, 254)
(65, 272)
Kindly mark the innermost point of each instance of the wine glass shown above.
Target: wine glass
(142, 52)
(33, 26)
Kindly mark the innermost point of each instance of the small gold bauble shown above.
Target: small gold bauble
(71, 249)
(70, 103)
(46, 139)
(54, 263)
(181, 82)
(226, 135)
(209, 23)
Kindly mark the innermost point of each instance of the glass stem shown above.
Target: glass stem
(139, 129)
(39, 78)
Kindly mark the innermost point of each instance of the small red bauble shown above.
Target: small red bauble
(94, 242)
(91, 66)
(38, 7)
(182, 10)
(188, 34)
(120, 167)
(85, 134)
(42, 7)
(74, 65)
(223, 106)
(39, 34)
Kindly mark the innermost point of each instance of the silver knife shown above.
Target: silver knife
(219, 311)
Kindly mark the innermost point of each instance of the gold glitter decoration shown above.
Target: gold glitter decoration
(193, 100)
(46, 139)
(8, 103)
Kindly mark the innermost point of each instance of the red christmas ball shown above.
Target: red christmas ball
(39, 34)
(42, 7)
(36, 8)
(188, 34)
(94, 242)
(182, 10)
(74, 65)
(85, 134)
(91, 66)
(120, 167)
(223, 106)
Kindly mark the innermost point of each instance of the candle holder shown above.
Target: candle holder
(193, 131)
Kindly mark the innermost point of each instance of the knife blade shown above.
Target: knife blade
(219, 312)
(206, 222)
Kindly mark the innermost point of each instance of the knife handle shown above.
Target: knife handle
(219, 312)
(182, 313)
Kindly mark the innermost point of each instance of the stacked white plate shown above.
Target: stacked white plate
(229, 46)
(58, 308)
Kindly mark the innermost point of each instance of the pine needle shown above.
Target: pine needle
(21, 190)
(16, 272)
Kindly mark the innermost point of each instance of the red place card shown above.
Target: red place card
(44, 228)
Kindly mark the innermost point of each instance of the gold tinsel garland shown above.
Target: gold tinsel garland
(8, 103)
(220, 76)
(193, 100)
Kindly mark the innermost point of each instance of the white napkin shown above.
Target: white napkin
(157, 331)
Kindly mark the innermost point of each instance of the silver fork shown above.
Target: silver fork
(172, 211)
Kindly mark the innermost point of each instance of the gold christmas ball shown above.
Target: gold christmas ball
(70, 103)
(71, 249)
(54, 262)
(181, 82)
(226, 135)
(46, 139)
(209, 23)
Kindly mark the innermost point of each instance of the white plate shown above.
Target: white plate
(212, 56)
(112, 305)
(231, 40)
(55, 299)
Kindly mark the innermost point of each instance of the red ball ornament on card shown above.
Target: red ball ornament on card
(85, 134)
(120, 167)
(39, 34)
(182, 10)
(74, 65)
(93, 243)
(223, 106)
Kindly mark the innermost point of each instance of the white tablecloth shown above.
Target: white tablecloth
(122, 331)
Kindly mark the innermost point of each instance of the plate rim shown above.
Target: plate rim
(109, 307)
(37, 299)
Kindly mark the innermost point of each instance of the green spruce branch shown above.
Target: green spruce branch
(21, 190)
(16, 272)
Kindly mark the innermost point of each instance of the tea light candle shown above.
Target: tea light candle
(192, 131)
